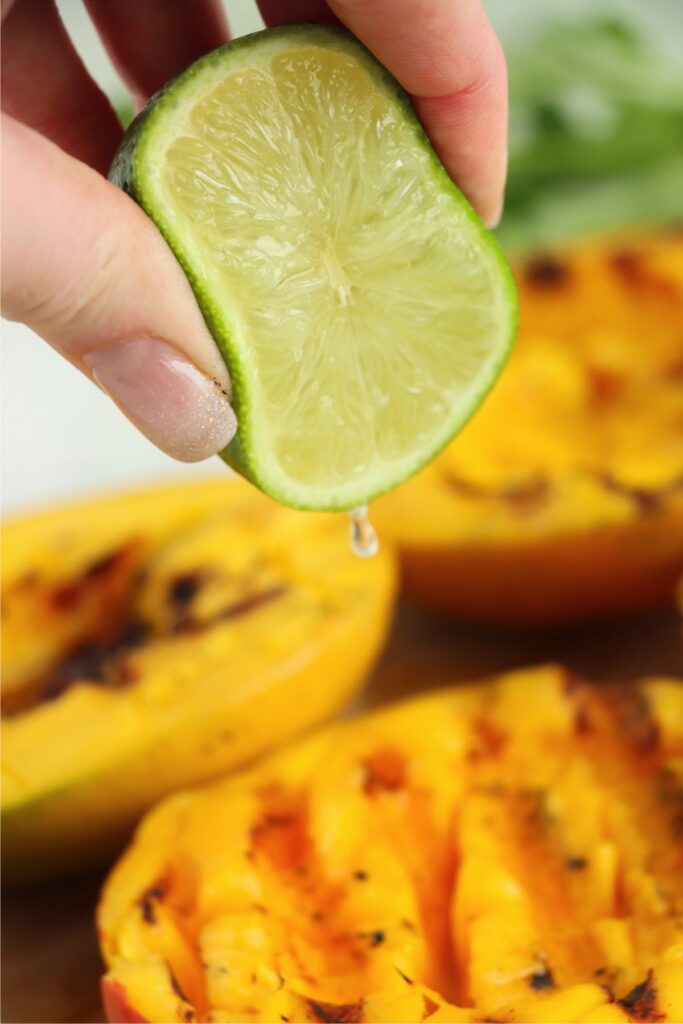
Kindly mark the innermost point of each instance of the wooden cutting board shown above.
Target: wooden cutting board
(50, 963)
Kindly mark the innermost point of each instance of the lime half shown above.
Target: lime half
(362, 308)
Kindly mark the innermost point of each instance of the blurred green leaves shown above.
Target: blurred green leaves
(123, 105)
(596, 133)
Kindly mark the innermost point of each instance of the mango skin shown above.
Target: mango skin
(281, 629)
(571, 578)
(508, 850)
(116, 1006)
(563, 499)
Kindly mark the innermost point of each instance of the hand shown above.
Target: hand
(447, 57)
(83, 265)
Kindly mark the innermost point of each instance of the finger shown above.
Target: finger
(447, 56)
(289, 12)
(86, 269)
(45, 85)
(150, 41)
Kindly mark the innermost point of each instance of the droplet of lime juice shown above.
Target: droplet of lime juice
(364, 540)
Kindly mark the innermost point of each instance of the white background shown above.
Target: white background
(60, 435)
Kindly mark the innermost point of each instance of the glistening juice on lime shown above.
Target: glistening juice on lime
(362, 308)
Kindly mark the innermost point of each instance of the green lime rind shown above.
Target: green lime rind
(128, 172)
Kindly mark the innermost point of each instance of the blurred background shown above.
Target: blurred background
(596, 140)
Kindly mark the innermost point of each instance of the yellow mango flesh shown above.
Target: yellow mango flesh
(563, 498)
(224, 625)
(507, 851)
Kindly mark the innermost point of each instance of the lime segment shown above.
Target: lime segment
(361, 307)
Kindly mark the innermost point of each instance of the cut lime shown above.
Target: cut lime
(361, 307)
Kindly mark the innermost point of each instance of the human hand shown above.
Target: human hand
(82, 264)
(86, 269)
(447, 57)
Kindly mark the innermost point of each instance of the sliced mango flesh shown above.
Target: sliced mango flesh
(155, 640)
(507, 851)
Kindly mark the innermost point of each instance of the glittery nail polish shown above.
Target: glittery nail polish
(165, 396)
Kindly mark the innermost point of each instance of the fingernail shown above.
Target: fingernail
(165, 396)
(494, 220)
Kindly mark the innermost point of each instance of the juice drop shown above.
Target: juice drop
(364, 541)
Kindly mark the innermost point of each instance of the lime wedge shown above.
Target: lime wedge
(361, 307)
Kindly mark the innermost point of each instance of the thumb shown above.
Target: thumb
(85, 268)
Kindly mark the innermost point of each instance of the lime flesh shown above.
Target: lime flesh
(361, 307)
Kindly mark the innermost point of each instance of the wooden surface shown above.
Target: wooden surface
(50, 964)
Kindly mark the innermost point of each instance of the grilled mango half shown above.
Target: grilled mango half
(563, 498)
(507, 851)
(153, 640)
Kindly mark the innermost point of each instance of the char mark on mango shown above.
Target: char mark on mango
(641, 1002)
(336, 1013)
(149, 901)
(385, 771)
(542, 979)
(249, 603)
(546, 271)
(647, 500)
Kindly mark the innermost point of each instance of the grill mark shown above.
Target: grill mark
(385, 771)
(249, 603)
(540, 864)
(541, 979)
(534, 842)
(641, 1002)
(105, 565)
(628, 762)
(105, 662)
(284, 855)
(91, 662)
(491, 741)
(409, 823)
(280, 841)
(336, 1013)
(546, 272)
(527, 495)
(183, 589)
(648, 501)
(576, 863)
(175, 985)
(632, 268)
(523, 495)
(67, 596)
(105, 583)
(149, 899)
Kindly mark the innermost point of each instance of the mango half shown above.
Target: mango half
(154, 640)
(563, 498)
(505, 851)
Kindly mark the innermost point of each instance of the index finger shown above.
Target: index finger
(447, 57)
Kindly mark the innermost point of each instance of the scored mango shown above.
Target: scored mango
(157, 639)
(508, 851)
(563, 498)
